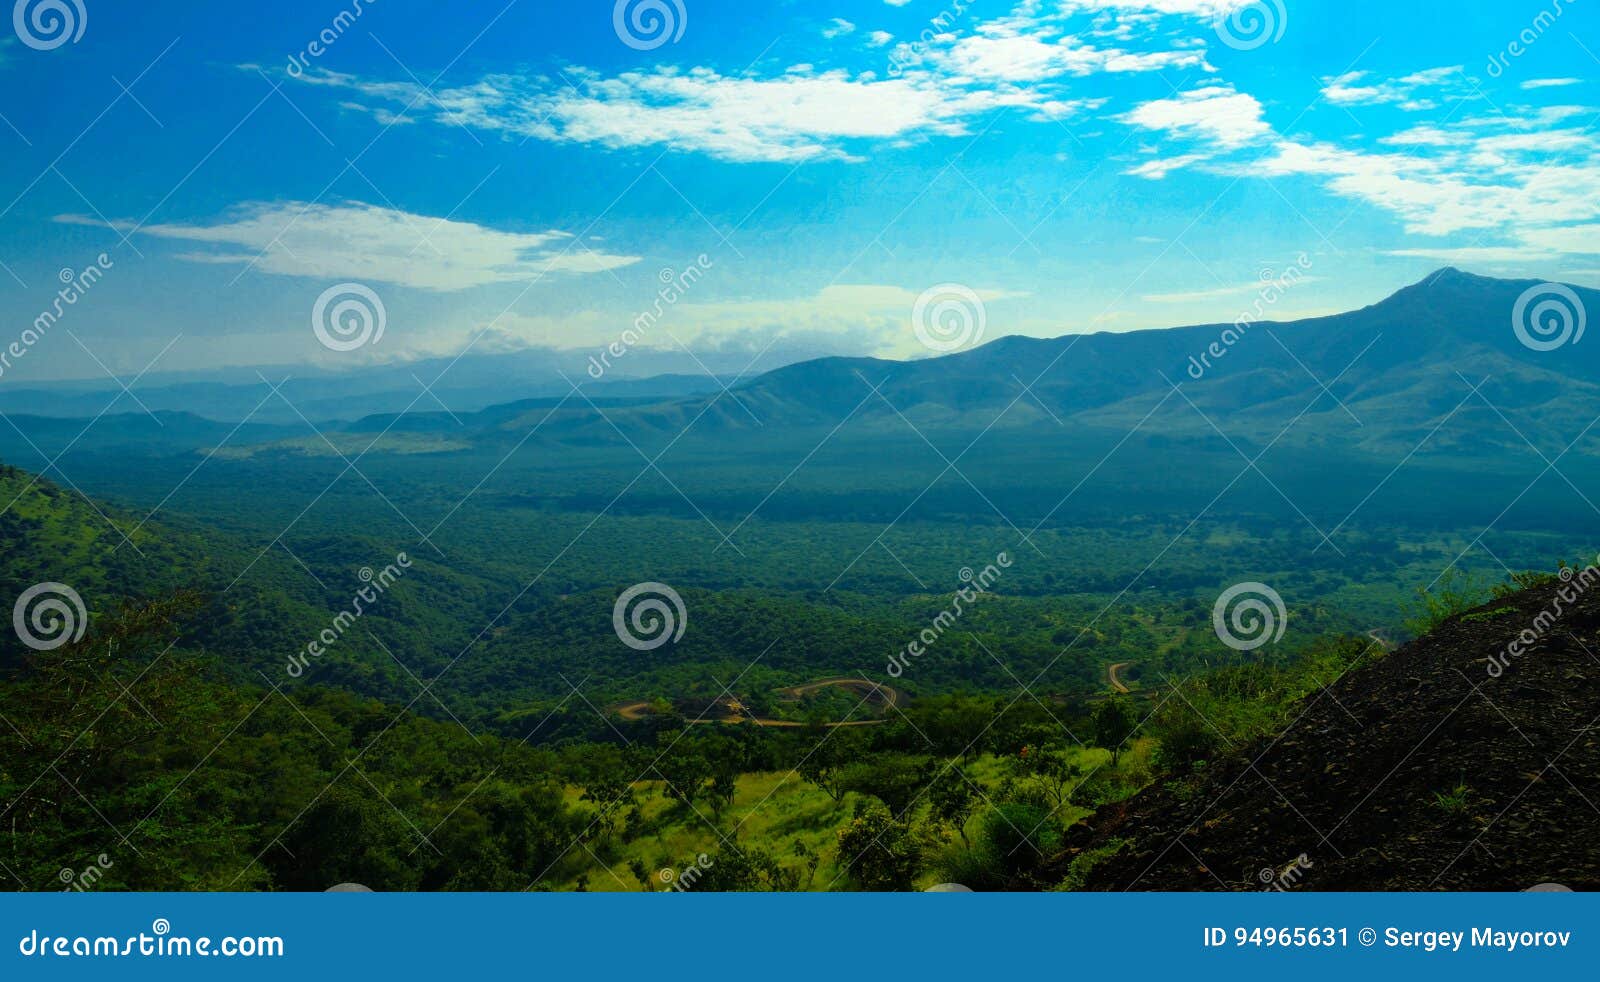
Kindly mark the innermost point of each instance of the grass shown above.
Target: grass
(774, 809)
(1487, 615)
(777, 811)
(1455, 801)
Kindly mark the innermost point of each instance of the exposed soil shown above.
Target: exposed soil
(731, 710)
(1114, 680)
(1418, 771)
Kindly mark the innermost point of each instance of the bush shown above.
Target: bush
(1184, 744)
(1020, 835)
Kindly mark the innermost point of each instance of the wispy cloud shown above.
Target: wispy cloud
(805, 114)
(1549, 83)
(378, 245)
(1416, 92)
(954, 74)
(838, 27)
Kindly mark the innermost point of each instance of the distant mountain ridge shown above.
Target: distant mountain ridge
(1379, 377)
(1402, 363)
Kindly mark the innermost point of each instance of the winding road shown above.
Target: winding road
(735, 711)
(1117, 685)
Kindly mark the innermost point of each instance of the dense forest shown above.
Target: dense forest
(170, 748)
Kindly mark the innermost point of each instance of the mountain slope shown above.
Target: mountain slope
(1420, 771)
(1405, 362)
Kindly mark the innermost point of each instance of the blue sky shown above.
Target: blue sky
(528, 175)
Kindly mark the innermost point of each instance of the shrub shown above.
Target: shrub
(1020, 835)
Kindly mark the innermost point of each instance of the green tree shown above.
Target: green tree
(953, 799)
(878, 851)
(896, 780)
(1114, 725)
(837, 749)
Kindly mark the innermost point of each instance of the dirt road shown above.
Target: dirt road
(1115, 681)
(734, 711)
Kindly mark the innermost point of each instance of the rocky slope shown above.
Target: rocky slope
(1459, 762)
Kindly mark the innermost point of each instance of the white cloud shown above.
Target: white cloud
(955, 72)
(1571, 240)
(1523, 185)
(1476, 255)
(380, 245)
(838, 27)
(803, 114)
(1159, 168)
(1003, 54)
(866, 319)
(1549, 83)
(1201, 9)
(1216, 113)
(1410, 93)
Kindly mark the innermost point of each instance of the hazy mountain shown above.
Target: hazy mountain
(467, 385)
(1396, 359)
(1377, 377)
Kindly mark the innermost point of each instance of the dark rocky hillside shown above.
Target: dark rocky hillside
(1419, 771)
